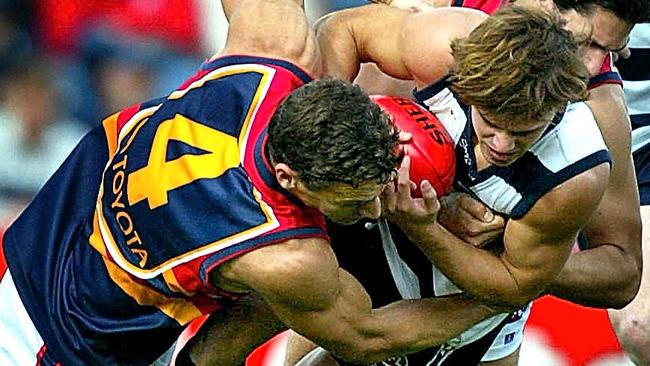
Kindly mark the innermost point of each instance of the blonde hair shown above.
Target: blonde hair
(519, 64)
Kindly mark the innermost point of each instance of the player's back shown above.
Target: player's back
(111, 259)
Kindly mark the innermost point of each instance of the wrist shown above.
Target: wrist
(426, 234)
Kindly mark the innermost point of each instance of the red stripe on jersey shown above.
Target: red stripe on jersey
(608, 74)
(187, 275)
(607, 65)
(40, 354)
(487, 6)
(126, 115)
(290, 214)
(3, 261)
(201, 73)
(205, 304)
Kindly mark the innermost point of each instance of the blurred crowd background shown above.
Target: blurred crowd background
(65, 65)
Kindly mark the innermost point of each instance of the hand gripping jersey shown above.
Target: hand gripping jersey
(111, 259)
(393, 268)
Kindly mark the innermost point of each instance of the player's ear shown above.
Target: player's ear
(285, 176)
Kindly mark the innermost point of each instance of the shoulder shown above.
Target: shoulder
(276, 29)
(427, 37)
(575, 137)
(568, 207)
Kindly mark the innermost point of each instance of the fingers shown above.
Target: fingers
(476, 208)
(388, 198)
(404, 137)
(429, 196)
(404, 180)
(399, 206)
(497, 223)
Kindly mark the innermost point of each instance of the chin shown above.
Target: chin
(344, 221)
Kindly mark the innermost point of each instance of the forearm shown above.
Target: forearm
(481, 273)
(438, 320)
(356, 333)
(603, 277)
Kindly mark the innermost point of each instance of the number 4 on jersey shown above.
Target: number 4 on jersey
(159, 176)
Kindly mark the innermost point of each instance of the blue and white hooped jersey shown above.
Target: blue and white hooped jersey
(112, 258)
(571, 145)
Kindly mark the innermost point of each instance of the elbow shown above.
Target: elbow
(627, 289)
(627, 293)
(514, 303)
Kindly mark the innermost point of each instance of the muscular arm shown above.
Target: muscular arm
(305, 288)
(535, 246)
(608, 274)
(451, 314)
(271, 28)
(402, 44)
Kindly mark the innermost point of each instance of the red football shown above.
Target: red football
(431, 149)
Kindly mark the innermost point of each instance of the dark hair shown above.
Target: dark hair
(329, 131)
(519, 64)
(631, 11)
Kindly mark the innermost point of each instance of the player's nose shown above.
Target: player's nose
(503, 142)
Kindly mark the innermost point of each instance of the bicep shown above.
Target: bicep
(537, 246)
(331, 322)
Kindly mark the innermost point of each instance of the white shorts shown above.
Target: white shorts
(510, 337)
(21, 344)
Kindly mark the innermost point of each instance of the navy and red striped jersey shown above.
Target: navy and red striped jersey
(112, 257)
